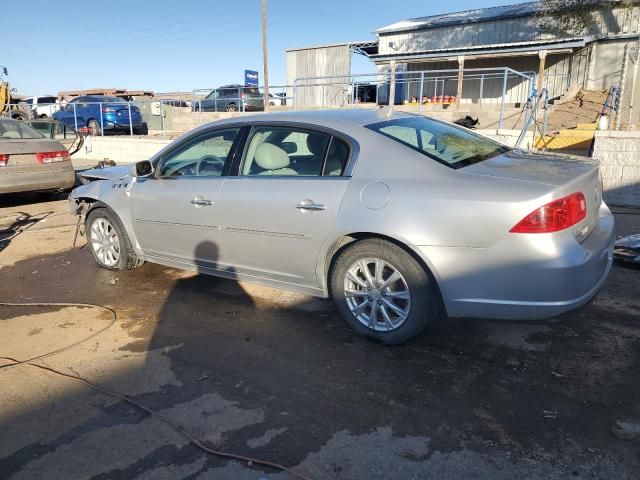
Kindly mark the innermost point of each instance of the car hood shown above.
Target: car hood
(543, 168)
(108, 173)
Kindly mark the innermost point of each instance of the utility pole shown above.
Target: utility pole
(264, 56)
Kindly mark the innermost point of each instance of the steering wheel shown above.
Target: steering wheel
(207, 159)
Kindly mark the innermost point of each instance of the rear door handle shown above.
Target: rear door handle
(199, 201)
(310, 205)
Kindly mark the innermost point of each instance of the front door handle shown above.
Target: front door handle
(199, 201)
(307, 204)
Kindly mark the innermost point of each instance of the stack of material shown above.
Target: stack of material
(582, 109)
(571, 123)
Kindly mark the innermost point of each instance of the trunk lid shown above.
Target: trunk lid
(563, 174)
(547, 169)
(22, 151)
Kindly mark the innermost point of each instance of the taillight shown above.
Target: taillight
(51, 157)
(4, 159)
(554, 216)
(109, 110)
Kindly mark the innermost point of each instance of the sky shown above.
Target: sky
(182, 45)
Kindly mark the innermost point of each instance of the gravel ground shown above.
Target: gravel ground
(277, 376)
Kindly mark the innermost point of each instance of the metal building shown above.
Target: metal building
(323, 71)
(510, 36)
(496, 37)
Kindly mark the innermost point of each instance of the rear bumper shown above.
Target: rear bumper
(524, 277)
(50, 177)
(120, 124)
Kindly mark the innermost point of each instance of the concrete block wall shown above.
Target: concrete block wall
(619, 155)
(122, 150)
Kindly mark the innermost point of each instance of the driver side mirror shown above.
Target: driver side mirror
(142, 169)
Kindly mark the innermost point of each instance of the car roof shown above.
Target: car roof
(354, 116)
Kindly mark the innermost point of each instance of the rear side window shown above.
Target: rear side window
(453, 146)
(285, 151)
(14, 130)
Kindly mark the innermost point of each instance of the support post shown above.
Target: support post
(421, 91)
(392, 86)
(460, 80)
(542, 55)
(481, 88)
(623, 84)
(634, 83)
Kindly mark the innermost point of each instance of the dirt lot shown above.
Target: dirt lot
(277, 376)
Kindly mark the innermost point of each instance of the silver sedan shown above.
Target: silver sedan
(397, 217)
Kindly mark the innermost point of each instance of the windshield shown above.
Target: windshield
(450, 145)
(10, 130)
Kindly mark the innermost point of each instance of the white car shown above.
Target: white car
(42, 107)
(275, 100)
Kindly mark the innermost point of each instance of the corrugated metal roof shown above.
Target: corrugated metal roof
(470, 16)
(533, 46)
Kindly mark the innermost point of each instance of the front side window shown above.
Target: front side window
(204, 158)
(285, 151)
(452, 146)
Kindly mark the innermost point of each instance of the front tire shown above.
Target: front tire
(108, 241)
(382, 292)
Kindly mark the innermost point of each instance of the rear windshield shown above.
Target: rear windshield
(12, 130)
(107, 98)
(450, 145)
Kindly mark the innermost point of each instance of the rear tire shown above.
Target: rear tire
(108, 241)
(391, 304)
(232, 107)
(142, 130)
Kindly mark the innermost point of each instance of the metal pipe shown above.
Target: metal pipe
(75, 117)
(504, 94)
(162, 118)
(130, 120)
(481, 88)
(533, 107)
(101, 121)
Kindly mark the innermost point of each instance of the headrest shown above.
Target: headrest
(11, 134)
(316, 144)
(270, 157)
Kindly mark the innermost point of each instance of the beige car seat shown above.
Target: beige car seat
(274, 160)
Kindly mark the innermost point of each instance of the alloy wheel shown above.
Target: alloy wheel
(105, 242)
(377, 294)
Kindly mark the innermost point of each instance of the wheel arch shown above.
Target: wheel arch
(342, 242)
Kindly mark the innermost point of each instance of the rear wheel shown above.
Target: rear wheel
(382, 292)
(108, 241)
(232, 107)
(94, 127)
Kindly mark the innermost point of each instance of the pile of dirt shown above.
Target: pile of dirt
(583, 108)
